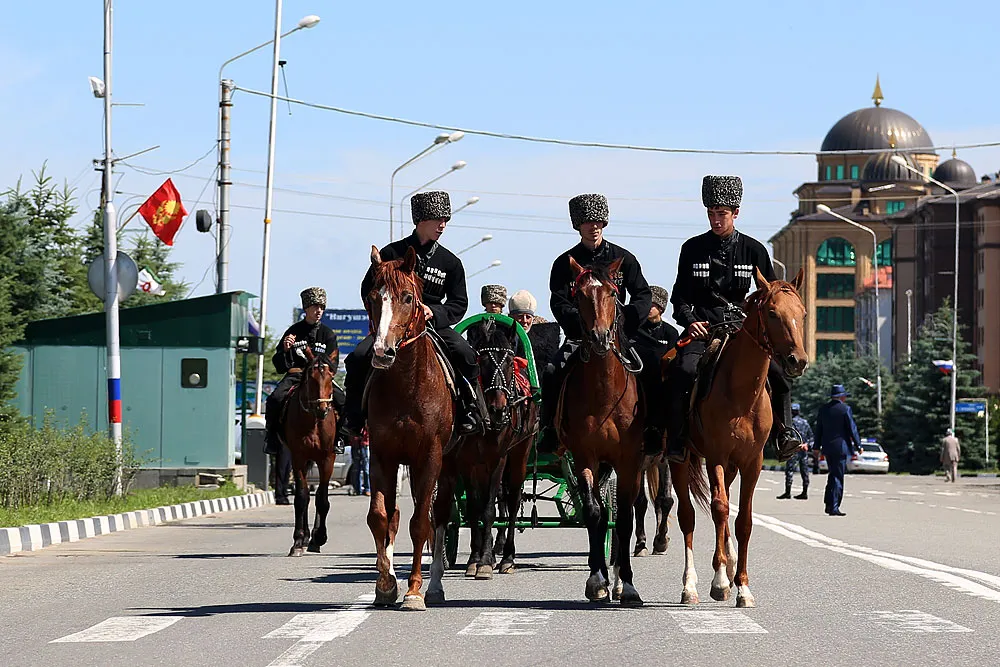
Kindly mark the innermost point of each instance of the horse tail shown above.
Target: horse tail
(698, 482)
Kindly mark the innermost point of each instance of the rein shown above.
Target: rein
(318, 407)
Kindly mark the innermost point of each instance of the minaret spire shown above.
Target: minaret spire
(877, 96)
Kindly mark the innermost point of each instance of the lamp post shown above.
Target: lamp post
(494, 263)
(440, 141)
(486, 237)
(784, 269)
(471, 201)
(954, 313)
(268, 200)
(909, 322)
(878, 316)
(226, 87)
(453, 168)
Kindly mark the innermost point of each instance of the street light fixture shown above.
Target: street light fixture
(226, 87)
(909, 321)
(468, 202)
(494, 263)
(453, 168)
(878, 316)
(486, 237)
(440, 141)
(954, 313)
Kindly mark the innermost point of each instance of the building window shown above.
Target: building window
(835, 252)
(824, 347)
(827, 173)
(835, 319)
(834, 285)
(894, 207)
(840, 172)
(883, 253)
(854, 172)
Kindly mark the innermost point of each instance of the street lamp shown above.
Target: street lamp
(878, 334)
(486, 237)
(468, 202)
(226, 87)
(440, 141)
(954, 313)
(453, 168)
(494, 263)
(909, 321)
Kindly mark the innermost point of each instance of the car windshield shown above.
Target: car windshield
(871, 447)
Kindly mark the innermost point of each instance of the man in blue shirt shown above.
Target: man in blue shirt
(837, 437)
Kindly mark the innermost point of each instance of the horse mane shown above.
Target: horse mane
(773, 288)
(601, 271)
(388, 273)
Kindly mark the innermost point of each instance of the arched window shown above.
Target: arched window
(835, 252)
(883, 254)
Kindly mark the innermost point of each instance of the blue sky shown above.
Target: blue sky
(704, 75)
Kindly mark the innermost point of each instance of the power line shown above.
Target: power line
(156, 172)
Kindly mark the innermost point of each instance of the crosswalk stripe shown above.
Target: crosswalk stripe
(494, 623)
(716, 623)
(912, 621)
(120, 629)
(314, 630)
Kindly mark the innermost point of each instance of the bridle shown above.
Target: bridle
(409, 335)
(631, 365)
(758, 301)
(317, 407)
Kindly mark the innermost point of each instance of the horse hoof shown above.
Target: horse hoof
(506, 568)
(720, 594)
(471, 569)
(616, 592)
(641, 553)
(313, 548)
(660, 548)
(630, 596)
(744, 598)
(387, 597)
(484, 573)
(597, 589)
(434, 597)
(414, 603)
(295, 552)
(689, 597)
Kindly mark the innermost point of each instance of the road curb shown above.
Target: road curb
(38, 536)
(981, 475)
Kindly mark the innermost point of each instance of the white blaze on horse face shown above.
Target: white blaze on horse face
(385, 320)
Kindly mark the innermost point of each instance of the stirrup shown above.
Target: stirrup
(788, 443)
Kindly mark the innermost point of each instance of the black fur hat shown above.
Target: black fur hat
(721, 191)
(588, 208)
(434, 205)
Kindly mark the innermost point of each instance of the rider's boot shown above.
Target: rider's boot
(467, 419)
(677, 435)
(548, 439)
(786, 439)
(272, 443)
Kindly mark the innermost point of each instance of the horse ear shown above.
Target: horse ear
(616, 266)
(573, 264)
(759, 278)
(410, 261)
(376, 257)
(797, 283)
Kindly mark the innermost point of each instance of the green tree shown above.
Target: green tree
(921, 412)
(10, 361)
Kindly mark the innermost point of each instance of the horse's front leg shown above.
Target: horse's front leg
(720, 515)
(629, 481)
(299, 468)
(382, 513)
(488, 560)
(680, 475)
(744, 525)
(597, 527)
(473, 513)
(319, 537)
(641, 505)
(425, 476)
(663, 502)
(442, 517)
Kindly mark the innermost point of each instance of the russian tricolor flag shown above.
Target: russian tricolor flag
(252, 324)
(944, 365)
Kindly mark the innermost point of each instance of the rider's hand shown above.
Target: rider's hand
(287, 342)
(428, 313)
(698, 330)
(804, 447)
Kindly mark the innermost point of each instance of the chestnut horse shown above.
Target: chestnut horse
(310, 435)
(600, 421)
(729, 428)
(410, 419)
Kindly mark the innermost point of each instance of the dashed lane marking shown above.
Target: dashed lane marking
(120, 629)
(496, 623)
(912, 621)
(314, 630)
(716, 623)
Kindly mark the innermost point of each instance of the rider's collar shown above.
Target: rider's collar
(428, 247)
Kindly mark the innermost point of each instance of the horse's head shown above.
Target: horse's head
(495, 347)
(597, 299)
(777, 310)
(317, 384)
(394, 305)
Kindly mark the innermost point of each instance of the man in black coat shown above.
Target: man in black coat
(652, 341)
(837, 437)
(445, 300)
(589, 215)
(715, 269)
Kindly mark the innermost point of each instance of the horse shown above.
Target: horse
(410, 420)
(656, 473)
(599, 420)
(729, 428)
(482, 462)
(310, 429)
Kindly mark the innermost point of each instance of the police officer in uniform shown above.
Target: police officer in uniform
(801, 459)
(290, 358)
(445, 300)
(589, 215)
(837, 437)
(716, 268)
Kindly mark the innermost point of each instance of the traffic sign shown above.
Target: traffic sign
(970, 407)
(351, 327)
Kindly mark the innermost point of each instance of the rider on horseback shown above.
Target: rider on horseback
(290, 358)
(715, 272)
(589, 215)
(445, 300)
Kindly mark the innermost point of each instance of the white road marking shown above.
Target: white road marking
(120, 629)
(314, 630)
(912, 621)
(875, 493)
(910, 493)
(971, 582)
(950, 494)
(716, 623)
(495, 623)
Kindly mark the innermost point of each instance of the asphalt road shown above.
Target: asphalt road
(909, 577)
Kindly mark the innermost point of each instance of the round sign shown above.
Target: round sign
(128, 276)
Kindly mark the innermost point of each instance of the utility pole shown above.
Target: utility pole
(226, 87)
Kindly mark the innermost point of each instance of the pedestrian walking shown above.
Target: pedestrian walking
(800, 461)
(360, 481)
(837, 436)
(951, 453)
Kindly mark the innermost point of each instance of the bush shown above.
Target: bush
(48, 465)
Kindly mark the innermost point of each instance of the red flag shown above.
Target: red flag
(164, 212)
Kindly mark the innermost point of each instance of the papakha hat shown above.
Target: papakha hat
(434, 205)
(721, 191)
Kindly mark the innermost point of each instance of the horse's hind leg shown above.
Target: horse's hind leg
(663, 502)
(442, 516)
(629, 482)
(720, 514)
(382, 512)
(474, 511)
(423, 479)
(515, 473)
(731, 555)
(744, 525)
(319, 537)
(641, 505)
(680, 474)
(300, 468)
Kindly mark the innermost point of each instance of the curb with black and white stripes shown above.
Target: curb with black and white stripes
(39, 536)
